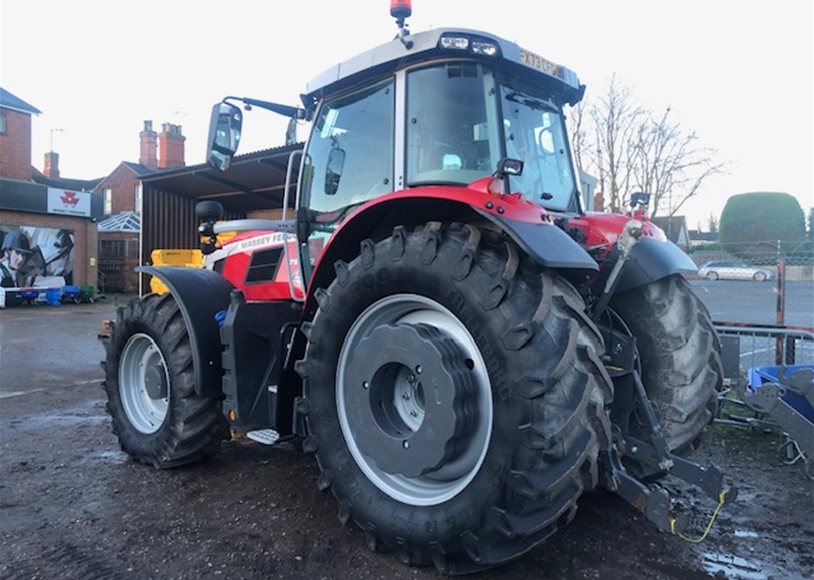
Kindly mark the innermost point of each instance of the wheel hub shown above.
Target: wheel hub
(155, 382)
(144, 383)
(407, 388)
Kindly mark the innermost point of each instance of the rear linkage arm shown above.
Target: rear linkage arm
(652, 456)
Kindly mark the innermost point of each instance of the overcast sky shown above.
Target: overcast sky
(739, 73)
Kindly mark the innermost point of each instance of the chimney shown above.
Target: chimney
(599, 201)
(51, 165)
(171, 146)
(149, 146)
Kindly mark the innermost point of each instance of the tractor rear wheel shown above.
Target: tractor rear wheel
(150, 385)
(456, 400)
(679, 356)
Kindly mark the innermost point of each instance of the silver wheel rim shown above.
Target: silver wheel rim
(141, 366)
(441, 486)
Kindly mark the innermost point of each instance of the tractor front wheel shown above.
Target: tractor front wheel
(150, 384)
(678, 354)
(456, 399)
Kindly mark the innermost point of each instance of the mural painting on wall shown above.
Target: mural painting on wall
(34, 256)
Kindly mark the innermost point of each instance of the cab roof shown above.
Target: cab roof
(424, 46)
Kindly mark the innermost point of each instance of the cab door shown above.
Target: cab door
(348, 161)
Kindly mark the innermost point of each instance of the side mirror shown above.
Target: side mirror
(640, 198)
(508, 166)
(224, 135)
(333, 171)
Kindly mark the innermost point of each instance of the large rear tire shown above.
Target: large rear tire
(150, 383)
(679, 356)
(484, 457)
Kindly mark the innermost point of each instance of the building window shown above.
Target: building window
(118, 249)
(137, 196)
(108, 201)
(2, 122)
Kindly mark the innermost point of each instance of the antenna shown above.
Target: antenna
(52, 137)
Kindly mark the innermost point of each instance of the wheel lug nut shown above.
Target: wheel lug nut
(413, 414)
(365, 385)
(405, 444)
(418, 369)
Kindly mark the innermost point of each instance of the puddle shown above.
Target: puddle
(85, 414)
(735, 567)
(64, 420)
(114, 457)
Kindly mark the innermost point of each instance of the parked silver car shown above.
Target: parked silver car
(733, 271)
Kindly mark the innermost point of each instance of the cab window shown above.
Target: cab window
(451, 124)
(350, 152)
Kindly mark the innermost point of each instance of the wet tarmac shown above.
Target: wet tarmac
(73, 506)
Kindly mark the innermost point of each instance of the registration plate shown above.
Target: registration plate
(537, 62)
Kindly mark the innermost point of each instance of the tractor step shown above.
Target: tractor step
(264, 436)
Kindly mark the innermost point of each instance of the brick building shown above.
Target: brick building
(47, 222)
(121, 192)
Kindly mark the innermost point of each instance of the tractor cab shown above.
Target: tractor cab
(436, 108)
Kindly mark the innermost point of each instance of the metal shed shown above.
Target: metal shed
(252, 187)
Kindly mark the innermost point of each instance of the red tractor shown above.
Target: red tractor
(465, 349)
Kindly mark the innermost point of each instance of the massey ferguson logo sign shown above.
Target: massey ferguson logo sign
(66, 202)
(69, 199)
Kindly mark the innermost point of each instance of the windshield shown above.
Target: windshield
(535, 133)
(453, 132)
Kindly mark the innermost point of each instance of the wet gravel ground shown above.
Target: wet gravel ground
(73, 506)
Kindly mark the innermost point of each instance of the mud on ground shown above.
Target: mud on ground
(73, 506)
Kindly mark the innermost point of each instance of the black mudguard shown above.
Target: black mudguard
(652, 260)
(546, 243)
(200, 295)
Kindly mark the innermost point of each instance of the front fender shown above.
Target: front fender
(652, 260)
(200, 294)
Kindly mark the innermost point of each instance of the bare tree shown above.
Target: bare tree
(670, 163)
(615, 119)
(628, 149)
(576, 124)
(712, 223)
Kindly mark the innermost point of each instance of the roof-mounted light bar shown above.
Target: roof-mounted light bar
(471, 44)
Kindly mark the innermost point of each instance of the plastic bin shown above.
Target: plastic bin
(70, 293)
(86, 293)
(53, 296)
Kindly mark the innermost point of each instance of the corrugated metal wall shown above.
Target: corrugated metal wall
(168, 222)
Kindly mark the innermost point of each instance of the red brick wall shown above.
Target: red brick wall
(170, 146)
(15, 146)
(122, 183)
(50, 165)
(148, 147)
(86, 239)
